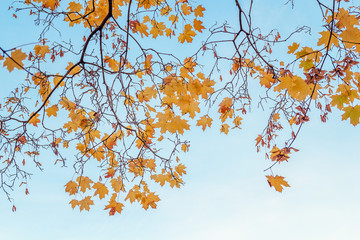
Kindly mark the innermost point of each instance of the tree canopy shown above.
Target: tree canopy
(105, 81)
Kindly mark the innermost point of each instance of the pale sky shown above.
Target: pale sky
(226, 195)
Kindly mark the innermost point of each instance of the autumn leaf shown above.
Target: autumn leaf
(225, 105)
(293, 48)
(187, 35)
(52, 111)
(180, 169)
(100, 189)
(117, 184)
(353, 113)
(74, 6)
(71, 187)
(85, 203)
(16, 60)
(224, 128)
(277, 182)
(186, 9)
(325, 38)
(204, 121)
(34, 119)
(199, 11)
(74, 203)
(198, 25)
(84, 183)
(41, 50)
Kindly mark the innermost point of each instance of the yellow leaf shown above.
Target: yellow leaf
(100, 189)
(41, 50)
(293, 48)
(198, 11)
(15, 61)
(187, 34)
(224, 128)
(71, 187)
(276, 117)
(180, 169)
(113, 64)
(74, 70)
(186, 9)
(225, 105)
(52, 111)
(198, 25)
(74, 203)
(74, 7)
(117, 184)
(277, 182)
(34, 120)
(353, 113)
(267, 80)
(85, 203)
(204, 121)
(350, 36)
(173, 19)
(325, 37)
(84, 183)
(185, 147)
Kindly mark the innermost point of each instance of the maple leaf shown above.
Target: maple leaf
(52, 111)
(204, 121)
(84, 183)
(198, 11)
(117, 184)
(159, 178)
(71, 187)
(101, 190)
(74, 6)
(296, 87)
(85, 203)
(114, 206)
(41, 50)
(198, 25)
(34, 120)
(186, 9)
(225, 105)
(157, 28)
(293, 48)
(17, 56)
(277, 182)
(187, 35)
(353, 113)
(74, 70)
(173, 19)
(180, 169)
(267, 80)
(224, 128)
(276, 117)
(74, 203)
(185, 147)
(325, 37)
(113, 64)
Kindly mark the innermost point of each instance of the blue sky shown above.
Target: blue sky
(226, 195)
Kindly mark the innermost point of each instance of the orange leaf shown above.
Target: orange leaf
(85, 203)
(198, 11)
(101, 190)
(277, 182)
(84, 183)
(71, 187)
(15, 61)
(187, 34)
(34, 120)
(52, 111)
(204, 121)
